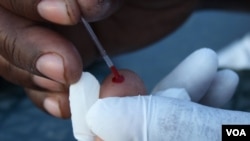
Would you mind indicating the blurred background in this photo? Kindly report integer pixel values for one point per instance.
(21, 120)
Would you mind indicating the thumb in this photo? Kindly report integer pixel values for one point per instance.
(113, 119)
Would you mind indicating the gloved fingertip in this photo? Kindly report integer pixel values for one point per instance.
(189, 74)
(221, 89)
(193, 68)
(231, 75)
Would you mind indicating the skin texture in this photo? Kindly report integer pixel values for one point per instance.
(35, 32)
(131, 86)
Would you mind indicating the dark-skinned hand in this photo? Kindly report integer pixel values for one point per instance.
(44, 47)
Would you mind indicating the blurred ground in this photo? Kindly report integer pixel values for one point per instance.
(21, 120)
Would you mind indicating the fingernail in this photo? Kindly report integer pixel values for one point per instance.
(51, 65)
(54, 11)
(52, 106)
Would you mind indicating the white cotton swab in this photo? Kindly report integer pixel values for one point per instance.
(83, 95)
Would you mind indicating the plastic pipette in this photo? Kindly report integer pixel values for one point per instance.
(117, 77)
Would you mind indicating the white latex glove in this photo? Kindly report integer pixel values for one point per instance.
(236, 55)
(169, 114)
(83, 95)
(159, 118)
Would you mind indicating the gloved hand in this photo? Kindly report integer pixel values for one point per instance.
(171, 113)
(159, 118)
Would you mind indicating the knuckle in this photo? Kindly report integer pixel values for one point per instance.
(8, 48)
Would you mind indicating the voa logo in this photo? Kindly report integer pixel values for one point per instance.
(236, 132)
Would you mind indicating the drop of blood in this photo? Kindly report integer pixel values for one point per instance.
(117, 77)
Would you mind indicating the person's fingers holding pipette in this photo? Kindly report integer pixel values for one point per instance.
(69, 11)
(62, 11)
(57, 11)
(35, 57)
(46, 54)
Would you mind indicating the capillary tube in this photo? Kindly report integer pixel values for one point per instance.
(117, 77)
